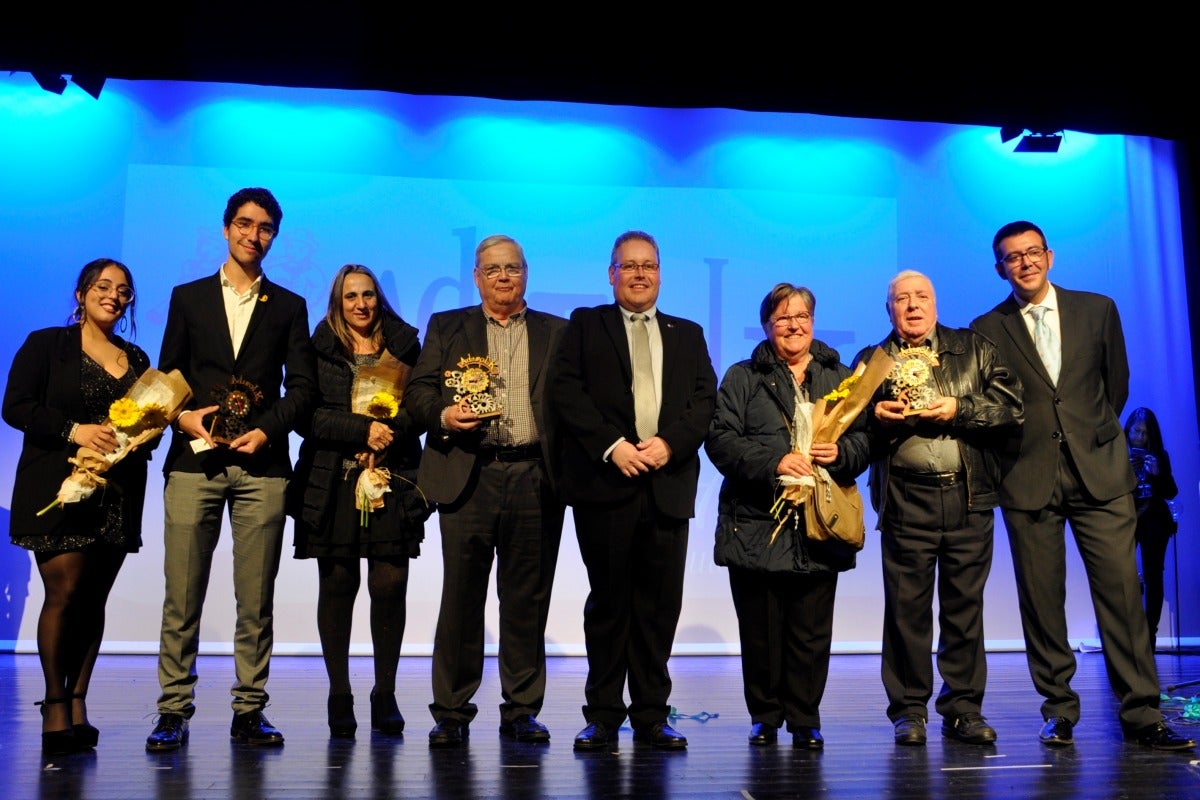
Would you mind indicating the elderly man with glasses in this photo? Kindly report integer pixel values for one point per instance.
(936, 424)
(478, 389)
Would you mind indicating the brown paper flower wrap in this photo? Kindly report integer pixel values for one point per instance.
(377, 393)
(832, 415)
(150, 405)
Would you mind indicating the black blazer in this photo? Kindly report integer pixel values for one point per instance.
(450, 459)
(1084, 408)
(276, 356)
(42, 395)
(591, 395)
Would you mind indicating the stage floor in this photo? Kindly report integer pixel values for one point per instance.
(859, 760)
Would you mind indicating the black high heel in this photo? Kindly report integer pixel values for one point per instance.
(385, 714)
(57, 743)
(86, 736)
(340, 709)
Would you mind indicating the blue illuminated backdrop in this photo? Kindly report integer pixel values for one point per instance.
(738, 201)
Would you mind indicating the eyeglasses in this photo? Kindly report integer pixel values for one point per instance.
(124, 291)
(492, 271)
(803, 318)
(1034, 254)
(629, 268)
(248, 226)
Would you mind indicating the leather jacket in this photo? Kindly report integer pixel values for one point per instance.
(989, 408)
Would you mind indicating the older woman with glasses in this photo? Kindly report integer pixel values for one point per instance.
(783, 583)
(60, 386)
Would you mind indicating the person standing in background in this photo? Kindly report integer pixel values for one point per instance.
(1155, 521)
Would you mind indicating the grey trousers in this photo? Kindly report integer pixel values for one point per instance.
(193, 507)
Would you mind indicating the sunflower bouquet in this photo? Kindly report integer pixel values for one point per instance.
(832, 415)
(150, 405)
(377, 393)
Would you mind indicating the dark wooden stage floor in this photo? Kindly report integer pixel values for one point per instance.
(860, 760)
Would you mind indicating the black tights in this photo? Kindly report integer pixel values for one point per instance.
(387, 584)
(71, 626)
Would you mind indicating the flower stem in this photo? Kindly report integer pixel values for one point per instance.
(56, 502)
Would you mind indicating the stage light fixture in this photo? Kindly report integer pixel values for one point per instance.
(1036, 142)
(92, 84)
(50, 81)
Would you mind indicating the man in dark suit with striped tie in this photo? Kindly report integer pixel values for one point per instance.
(1070, 463)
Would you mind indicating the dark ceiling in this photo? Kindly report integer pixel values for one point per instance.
(906, 71)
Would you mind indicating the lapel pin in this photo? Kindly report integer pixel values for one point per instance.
(262, 298)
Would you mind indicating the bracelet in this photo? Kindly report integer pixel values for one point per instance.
(71, 433)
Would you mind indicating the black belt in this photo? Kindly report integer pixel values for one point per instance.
(526, 452)
(928, 478)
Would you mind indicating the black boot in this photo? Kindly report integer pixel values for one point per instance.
(342, 723)
(385, 715)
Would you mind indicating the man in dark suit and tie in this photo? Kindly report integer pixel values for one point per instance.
(1070, 463)
(487, 470)
(237, 338)
(633, 391)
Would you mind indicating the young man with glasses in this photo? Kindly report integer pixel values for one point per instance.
(485, 464)
(632, 391)
(232, 333)
(1070, 463)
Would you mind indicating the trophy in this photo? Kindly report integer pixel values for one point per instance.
(238, 402)
(471, 382)
(911, 380)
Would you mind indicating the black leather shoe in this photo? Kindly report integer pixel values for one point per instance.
(596, 736)
(1159, 737)
(1057, 732)
(525, 729)
(971, 728)
(171, 733)
(662, 736)
(910, 731)
(762, 734)
(449, 732)
(339, 710)
(385, 714)
(806, 738)
(253, 728)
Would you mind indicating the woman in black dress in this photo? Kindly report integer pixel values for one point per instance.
(360, 343)
(1155, 522)
(60, 386)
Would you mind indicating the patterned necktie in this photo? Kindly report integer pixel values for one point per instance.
(1046, 341)
(645, 403)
